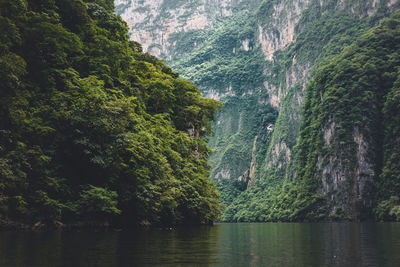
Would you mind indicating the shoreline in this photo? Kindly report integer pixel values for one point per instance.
(8, 225)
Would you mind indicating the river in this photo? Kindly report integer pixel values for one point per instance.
(241, 244)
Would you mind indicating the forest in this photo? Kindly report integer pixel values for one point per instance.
(95, 131)
(92, 129)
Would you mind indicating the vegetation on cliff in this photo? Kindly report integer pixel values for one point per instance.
(226, 64)
(337, 175)
(257, 62)
(92, 128)
(355, 92)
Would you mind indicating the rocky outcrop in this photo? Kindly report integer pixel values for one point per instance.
(347, 184)
(277, 31)
(151, 22)
(365, 172)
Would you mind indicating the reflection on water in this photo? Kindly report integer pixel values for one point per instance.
(250, 244)
(309, 244)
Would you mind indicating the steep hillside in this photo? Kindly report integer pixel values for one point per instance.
(91, 128)
(321, 35)
(349, 132)
(257, 60)
(230, 68)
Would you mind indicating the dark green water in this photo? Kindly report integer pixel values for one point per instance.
(247, 244)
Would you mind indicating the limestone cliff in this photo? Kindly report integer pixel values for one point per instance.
(153, 21)
(257, 57)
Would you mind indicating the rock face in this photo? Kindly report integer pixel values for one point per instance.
(342, 139)
(279, 30)
(348, 187)
(257, 57)
(153, 21)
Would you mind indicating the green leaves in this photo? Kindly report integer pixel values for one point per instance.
(353, 94)
(388, 209)
(12, 8)
(98, 203)
(91, 127)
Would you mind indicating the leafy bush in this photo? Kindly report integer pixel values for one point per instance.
(97, 202)
(388, 209)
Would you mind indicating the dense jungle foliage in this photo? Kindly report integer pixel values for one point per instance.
(358, 92)
(358, 89)
(92, 128)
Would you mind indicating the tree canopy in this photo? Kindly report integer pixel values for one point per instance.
(92, 128)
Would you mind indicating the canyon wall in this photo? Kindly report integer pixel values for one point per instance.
(256, 57)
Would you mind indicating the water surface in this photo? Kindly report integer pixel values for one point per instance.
(243, 244)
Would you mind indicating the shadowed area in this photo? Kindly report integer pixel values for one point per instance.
(243, 244)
